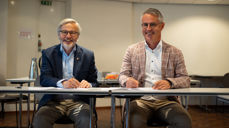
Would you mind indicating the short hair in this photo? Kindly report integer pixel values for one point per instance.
(155, 12)
(68, 20)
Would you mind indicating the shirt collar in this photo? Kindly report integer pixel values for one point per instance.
(64, 53)
(158, 48)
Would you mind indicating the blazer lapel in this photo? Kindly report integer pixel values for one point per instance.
(77, 61)
(142, 62)
(165, 59)
(142, 57)
(59, 64)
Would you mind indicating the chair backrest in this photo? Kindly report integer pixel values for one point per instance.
(226, 80)
(37, 84)
(39, 62)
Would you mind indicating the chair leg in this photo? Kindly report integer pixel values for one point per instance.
(16, 115)
(28, 111)
(186, 102)
(3, 110)
(223, 107)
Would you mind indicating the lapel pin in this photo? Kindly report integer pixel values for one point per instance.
(77, 58)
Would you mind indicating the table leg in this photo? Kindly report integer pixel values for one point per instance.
(34, 105)
(16, 116)
(127, 111)
(20, 110)
(112, 111)
(91, 111)
(28, 108)
(186, 102)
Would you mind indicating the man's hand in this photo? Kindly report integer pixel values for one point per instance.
(132, 83)
(84, 84)
(71, 83)
(74, 83)
(162, 85)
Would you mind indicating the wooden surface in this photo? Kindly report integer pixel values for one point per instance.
(200, 118)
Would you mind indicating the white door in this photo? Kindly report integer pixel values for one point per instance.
(49, 18)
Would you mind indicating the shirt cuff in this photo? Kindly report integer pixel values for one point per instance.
(90, 85)
(59, 83)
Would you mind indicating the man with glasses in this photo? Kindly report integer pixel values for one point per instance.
(66, 65)
(158, 65)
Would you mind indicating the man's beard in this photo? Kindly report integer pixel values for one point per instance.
(68, 46)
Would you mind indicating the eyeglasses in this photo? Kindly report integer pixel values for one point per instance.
(72, 33)
(151, 25)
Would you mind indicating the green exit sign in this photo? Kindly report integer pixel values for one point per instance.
(46, 2)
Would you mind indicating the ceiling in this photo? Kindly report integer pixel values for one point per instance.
(221, 2)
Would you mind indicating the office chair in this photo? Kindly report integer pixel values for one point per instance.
(224, 98)
(5, 98)
(9, 98)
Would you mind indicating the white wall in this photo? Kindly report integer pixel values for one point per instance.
(49, 18)
(106, 30)
(3, 40)
(200, 31)
(30, 16)
(22, 17)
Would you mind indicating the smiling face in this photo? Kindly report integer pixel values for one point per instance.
(151, 28)
(68, 35)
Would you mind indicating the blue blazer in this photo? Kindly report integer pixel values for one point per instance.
(51, 70)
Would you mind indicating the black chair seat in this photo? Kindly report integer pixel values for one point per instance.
(7, 98)
(156, 123)
(64, 120)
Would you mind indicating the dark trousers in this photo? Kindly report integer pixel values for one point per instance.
(143, 113)
(78, 112)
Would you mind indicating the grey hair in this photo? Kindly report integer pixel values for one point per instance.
(155, 12)
(68, 20)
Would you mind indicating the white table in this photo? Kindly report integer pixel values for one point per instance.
(21, 81)
(114, 92)
(51, 90)
(127, 93)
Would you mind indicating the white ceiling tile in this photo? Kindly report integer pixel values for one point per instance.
(132, 0)
(181, 1)
(225, 2)
(205, 2)
(155, 1)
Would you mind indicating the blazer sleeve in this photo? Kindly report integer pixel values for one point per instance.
(48, 77)
(125, 71)
(92, 76)
(181, 78)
